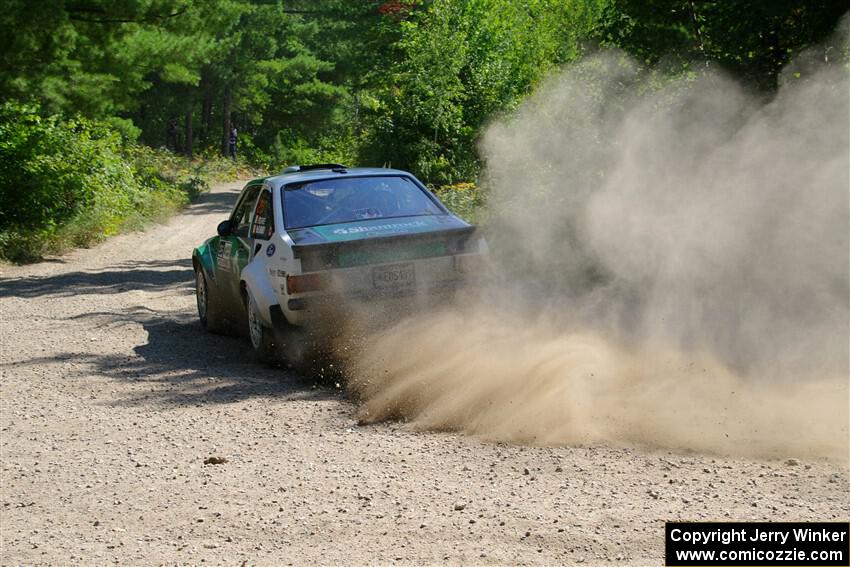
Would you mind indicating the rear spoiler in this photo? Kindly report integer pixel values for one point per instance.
(335, 167)
(327, 250)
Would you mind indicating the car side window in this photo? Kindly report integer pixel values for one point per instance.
(242, 214)
(262, 226)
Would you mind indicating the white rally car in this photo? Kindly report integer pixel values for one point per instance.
(318, 238)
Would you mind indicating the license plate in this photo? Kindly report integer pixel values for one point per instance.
(394, 276)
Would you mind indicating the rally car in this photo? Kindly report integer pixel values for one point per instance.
(318, 238)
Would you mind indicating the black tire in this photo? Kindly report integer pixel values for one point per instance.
(262, 338)
(209, 311)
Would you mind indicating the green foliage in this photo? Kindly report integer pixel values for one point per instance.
(461, 64)
(289, 149)
(50, 170)
(464, 199)
(752, 39)
(73, 182)
(406, 83)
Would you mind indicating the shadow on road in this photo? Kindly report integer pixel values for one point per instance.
(213, 203)
(179, 364)
(183, 365)
(120, 277)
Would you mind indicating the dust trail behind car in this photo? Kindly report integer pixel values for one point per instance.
(671, 269)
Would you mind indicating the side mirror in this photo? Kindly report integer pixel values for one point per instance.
(225, 228)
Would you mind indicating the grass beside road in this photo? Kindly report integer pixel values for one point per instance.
(164, 184)
(72, 182)
(68, 183)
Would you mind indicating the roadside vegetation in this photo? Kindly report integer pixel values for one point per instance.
(113, 113)
(72, 182)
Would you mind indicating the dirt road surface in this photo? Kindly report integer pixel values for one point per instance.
(113, 397)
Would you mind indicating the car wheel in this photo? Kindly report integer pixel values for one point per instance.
(262, 337)
(208, 311)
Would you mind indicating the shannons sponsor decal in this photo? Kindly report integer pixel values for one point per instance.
(381, 227)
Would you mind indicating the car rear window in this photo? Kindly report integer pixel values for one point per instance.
(347, 199)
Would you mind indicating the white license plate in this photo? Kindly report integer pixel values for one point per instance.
(394, 276)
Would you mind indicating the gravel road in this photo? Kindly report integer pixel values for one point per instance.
(113, 397)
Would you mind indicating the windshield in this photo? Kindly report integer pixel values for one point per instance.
(331, 201)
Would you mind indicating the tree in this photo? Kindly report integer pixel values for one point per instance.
(460, 64)
(751, 39)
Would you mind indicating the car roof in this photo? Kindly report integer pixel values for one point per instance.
(316, 174)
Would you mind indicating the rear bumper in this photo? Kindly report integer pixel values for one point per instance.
(354, 289)
(338, 299)
(329, 308)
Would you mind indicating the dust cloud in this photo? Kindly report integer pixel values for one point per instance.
(670, 269)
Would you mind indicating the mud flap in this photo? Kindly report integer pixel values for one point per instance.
(258, 285)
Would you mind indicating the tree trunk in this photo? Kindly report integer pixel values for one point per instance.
(206, 116)
(189, 139)
(225, 123)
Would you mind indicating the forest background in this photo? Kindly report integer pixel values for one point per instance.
(117, 112)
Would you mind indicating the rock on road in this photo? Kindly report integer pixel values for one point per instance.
(113, 397)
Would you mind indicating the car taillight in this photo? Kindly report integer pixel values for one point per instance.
(304, 283)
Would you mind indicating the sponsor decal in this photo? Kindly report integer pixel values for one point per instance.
(381, 227)
(378, 228)
(270, 250)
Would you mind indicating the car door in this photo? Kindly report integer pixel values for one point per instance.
(256, 273)
(234, 250)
